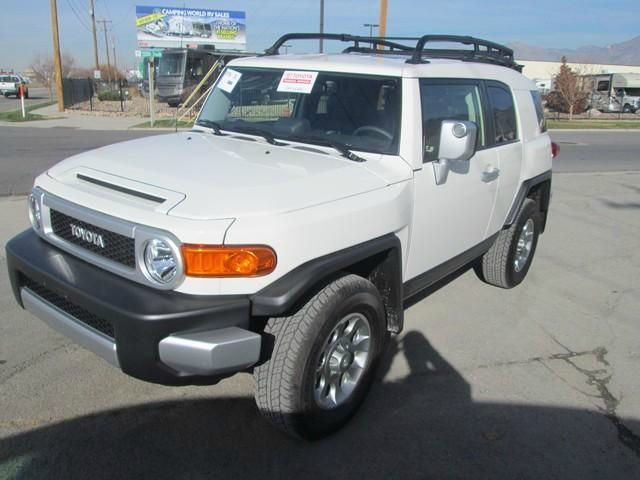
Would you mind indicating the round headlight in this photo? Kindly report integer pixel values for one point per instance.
(35, 216)
(160, 261)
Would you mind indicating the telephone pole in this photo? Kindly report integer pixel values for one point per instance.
(115, 62)
(92, 12)
(57, 62)
(382, 31)
(106, 45)
(321, 24)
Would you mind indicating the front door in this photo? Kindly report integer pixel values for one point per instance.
(451, 217)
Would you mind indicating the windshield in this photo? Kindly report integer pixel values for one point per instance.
(360, 111)
(171, 64)
(632, 92)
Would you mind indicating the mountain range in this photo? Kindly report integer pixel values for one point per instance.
(625, 53)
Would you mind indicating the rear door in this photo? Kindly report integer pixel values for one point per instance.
(505, 140)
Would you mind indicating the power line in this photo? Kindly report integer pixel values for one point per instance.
(77, 15)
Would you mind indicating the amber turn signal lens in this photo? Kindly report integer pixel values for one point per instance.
(228, 261)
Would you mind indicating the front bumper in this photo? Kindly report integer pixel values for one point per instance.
(158, 336)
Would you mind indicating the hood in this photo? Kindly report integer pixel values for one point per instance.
(233, 176)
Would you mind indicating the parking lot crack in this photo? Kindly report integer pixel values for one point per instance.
(600, 378)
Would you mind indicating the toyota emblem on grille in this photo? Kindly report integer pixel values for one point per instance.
(87, 235)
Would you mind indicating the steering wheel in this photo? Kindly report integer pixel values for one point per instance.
(372, 129)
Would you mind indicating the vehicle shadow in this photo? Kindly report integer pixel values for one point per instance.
(423, 426)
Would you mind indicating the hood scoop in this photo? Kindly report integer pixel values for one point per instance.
(122, 190)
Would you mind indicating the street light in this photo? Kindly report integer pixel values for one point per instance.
(286, 48)
(371, 27)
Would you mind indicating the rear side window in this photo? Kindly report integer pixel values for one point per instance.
(504, 114)
(448, 101)
(537, 102)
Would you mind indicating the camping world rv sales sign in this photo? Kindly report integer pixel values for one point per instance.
(187, 27)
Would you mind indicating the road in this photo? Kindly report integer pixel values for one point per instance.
(536, 382)
(36, 95)
(596, 151)
(26, 152)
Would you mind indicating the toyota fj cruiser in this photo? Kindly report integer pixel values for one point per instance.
(282, 236)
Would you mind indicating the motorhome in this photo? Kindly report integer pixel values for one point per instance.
(613, 92)
(179, 72)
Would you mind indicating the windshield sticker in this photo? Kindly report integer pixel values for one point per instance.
(297, 82)
(229, 80)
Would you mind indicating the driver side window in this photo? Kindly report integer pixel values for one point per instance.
(443, 100)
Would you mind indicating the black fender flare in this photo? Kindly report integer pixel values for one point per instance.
(544, 181)
(379, 260)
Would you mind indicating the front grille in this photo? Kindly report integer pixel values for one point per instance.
(78, 313)
(117, 248)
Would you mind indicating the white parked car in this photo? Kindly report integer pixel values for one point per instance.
(9, 85)
(282, 234)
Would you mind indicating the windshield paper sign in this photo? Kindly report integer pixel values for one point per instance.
(171, 27)
(229, 80)
(297, 82)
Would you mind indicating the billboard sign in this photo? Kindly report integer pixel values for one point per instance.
(169, 27)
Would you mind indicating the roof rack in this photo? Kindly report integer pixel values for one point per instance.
(483, 51)
(373, 41)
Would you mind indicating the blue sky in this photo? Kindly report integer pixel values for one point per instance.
(25, 25)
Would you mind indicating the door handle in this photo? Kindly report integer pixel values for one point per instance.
(490, 175)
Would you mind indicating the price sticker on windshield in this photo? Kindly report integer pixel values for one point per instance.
(297, 82)
(229, 80)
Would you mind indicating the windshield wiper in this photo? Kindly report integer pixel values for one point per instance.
(342, 148)
(212, 125)
(258, 132)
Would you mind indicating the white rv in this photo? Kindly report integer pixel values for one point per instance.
(614, 92)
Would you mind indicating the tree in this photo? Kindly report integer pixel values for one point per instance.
(568, 95)
(43, 70)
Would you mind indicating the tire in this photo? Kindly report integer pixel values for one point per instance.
(627, 108)
(498, 265)
(174, 104)
(26, 93)
(289, 389)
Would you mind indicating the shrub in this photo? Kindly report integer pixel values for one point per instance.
(112, 96)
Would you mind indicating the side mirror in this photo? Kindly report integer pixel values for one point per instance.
(457, 140)
(457, 143)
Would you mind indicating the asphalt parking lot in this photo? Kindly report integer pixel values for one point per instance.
(536, 382)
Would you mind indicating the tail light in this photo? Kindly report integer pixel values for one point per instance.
(555, 149)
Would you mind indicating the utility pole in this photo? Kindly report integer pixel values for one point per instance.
(106, 46)
(92, 12)
(115, 62)
(57, 61)
(321, 24)
(382, 32)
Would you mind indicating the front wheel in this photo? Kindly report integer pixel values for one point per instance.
(508, 260)
(323, 359)
(627, 108)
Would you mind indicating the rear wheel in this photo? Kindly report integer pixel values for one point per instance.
(323, 359)
(508, 260)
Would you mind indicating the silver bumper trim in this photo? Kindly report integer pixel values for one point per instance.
(210, 353)
(70, 327)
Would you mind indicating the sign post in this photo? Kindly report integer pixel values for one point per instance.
(21, 91)
(151, 90)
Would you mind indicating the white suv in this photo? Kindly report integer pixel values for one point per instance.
(282, 234)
